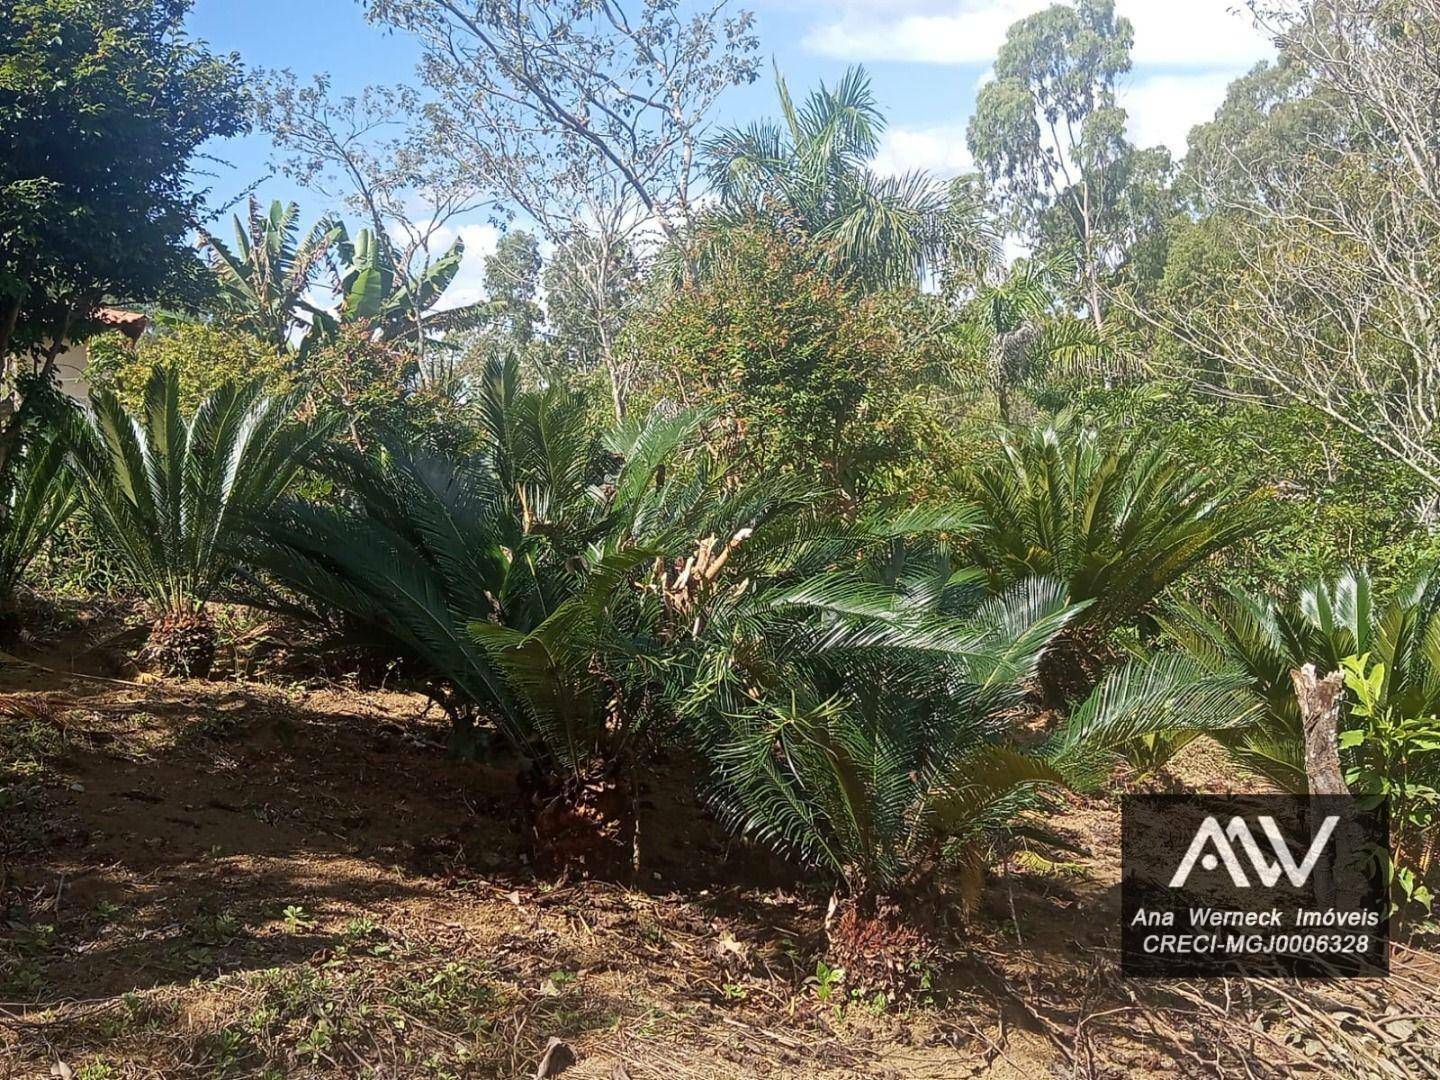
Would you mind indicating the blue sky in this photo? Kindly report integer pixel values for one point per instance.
(927, 58)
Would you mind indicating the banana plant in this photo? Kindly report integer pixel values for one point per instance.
(395, 304)
(263, 280)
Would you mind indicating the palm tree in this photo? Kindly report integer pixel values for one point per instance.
(265, 278)
(1116, 523)
(169, 495)
(1015, 328)
(812, 173)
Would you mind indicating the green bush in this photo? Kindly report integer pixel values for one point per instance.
(203, 358)
(1395, 756)
(800, 371)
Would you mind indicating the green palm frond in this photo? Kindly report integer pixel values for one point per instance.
(1118, 524)
(1150, 707)
(857, 728)
(1260, 641)
(41, 497)
(172, 494)
(811, 172)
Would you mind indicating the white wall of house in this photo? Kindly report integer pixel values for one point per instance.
(70, 372)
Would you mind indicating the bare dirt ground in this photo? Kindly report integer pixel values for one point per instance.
(229, 879)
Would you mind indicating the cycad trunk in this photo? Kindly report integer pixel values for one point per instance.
(182, 643)
(584, 826)
(884, 941)
(1072, 664)
(11, 620)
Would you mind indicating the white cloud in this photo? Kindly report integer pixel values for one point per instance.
(1163, 108)
(1168, 33)
(1186, 52)
(940, 150)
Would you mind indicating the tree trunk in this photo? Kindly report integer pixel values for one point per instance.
(883, 942)
(7, 329)
(584, 826)
(14, 422)
(1320, 701)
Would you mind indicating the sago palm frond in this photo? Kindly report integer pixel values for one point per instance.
(1117, 523)
(171, 494)
(40, 498)
(1260, 641)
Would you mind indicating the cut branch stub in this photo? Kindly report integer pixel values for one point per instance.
(1320, 701)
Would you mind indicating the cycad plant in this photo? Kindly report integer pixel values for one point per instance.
(533, 584)
(1263, 640)
(1231, 677)
(862, 714)
(1117, 523)
(169, 494)
(40, 497)
(857, 698)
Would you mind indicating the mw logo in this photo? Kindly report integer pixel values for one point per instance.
(1238, 831)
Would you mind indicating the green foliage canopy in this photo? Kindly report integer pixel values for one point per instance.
(103, 104)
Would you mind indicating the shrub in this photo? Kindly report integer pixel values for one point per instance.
(169, 494)
(801, 371)
(1116, 523)
(1396, 757)
(202, 356)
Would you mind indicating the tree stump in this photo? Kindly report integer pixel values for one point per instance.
(1320, 701)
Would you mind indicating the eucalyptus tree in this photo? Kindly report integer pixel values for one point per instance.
(812, 172)
(1047, 132)
(512, 284)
